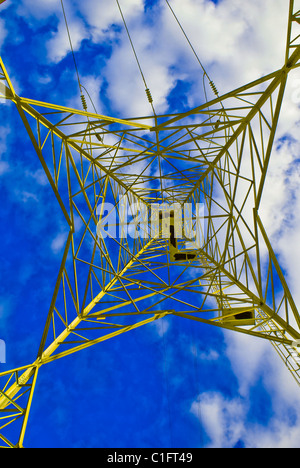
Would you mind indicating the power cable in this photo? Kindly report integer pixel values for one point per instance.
(81, 87)
(212, 85)
(147, 90)
(70, 41)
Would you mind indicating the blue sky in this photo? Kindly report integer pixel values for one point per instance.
(174, 383)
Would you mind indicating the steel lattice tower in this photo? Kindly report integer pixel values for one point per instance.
(216, 154)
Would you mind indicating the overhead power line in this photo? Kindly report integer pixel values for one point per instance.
(148, 92)
(212, 85)
(71, 45)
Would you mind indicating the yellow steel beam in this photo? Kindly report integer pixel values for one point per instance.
(105, 118)
(45, 356)
(183, 165)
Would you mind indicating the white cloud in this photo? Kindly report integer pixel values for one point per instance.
(210, 355)
(101, 17)
(4, 168)
(25, 196)
(29, 10)
(226, 423)
(98, 17)
(39, 176)
(59, 45)
(221, 418)
(3, 32)
(277, 435)
(237, 42)
(230, 53)
(59, 242)
(44, 79)
(161, 326)
(249, 357)
(4, 165)
(123, 86)
(255, 362)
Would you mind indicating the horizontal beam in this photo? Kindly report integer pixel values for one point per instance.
(130, 123)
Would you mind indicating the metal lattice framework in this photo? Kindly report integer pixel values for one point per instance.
(216, 154)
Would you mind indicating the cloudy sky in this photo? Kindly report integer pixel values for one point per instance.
(160, 386)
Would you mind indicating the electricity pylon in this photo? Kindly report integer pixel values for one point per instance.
(217, 155)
